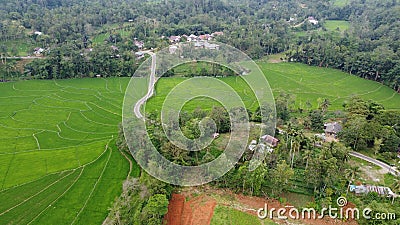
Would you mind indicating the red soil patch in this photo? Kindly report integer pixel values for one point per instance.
(197, 211)
(251, 204)
(175, 209)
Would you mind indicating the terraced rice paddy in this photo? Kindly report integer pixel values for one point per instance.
(58, 159)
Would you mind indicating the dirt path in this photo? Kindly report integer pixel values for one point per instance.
(130, 163)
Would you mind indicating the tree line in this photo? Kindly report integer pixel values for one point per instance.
(369, 49)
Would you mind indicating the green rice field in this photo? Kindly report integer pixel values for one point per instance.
(58, 159)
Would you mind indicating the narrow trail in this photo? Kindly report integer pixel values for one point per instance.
(130, 163)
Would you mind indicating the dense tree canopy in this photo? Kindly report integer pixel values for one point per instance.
(369, 49)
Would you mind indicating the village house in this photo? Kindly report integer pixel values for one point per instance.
(205, 37)
(215, 135)
(332, 129)
(139, 55)
(191, 38)
(266, 144)
(38, 51)
(174, 39)
(312, 20)
(269, 140)
(139, 44)
(218, 33)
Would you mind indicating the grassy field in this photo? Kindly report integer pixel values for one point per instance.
(58, 160)
(124, 32)
(332, 25)
(24, 47)
(310, 83)
(227, 216)
(164, 85)
(305, 82)
(341, 2)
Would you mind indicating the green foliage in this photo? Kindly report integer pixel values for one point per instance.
(280, 178)
(155, 209)
(368, 126)
(317, 120)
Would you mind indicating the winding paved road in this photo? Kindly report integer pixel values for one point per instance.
(150, 91)
(376, 162)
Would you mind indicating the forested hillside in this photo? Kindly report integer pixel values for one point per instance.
(76, 36)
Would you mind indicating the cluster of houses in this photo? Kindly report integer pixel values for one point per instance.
(268, 143)
(365, 189)
(310, 19)
(194, 38)
(200, 41)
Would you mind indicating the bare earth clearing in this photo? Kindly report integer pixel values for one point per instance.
(200, 204)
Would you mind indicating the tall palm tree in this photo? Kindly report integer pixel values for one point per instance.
(307, 156)
(350, 174)
(296, 146)
(325, 105)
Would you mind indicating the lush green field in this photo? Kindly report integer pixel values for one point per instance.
(311, 83)
(164, 85)
(341, 2)
(23, 47)
(224, 216)
(332, 25)
(305, 82)
(58, 160)
(124, 32)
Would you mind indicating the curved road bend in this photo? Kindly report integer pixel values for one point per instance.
(376, 162)
(150, 91)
